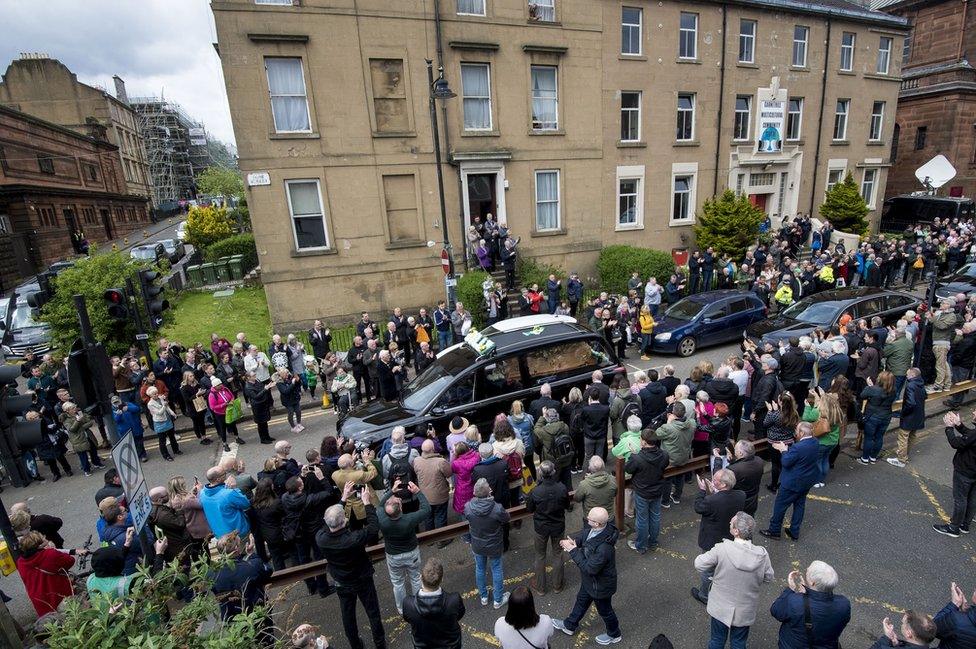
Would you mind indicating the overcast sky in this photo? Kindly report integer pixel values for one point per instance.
(159, 47)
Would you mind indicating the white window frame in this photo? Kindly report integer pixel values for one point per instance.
(638, 110)
(284, 3)
(679, 170)
(877, 119)
(846, 113)
(679, 110)
(634, 172)
(746, 134)
(558, 201)
(484, 9)
(267, 78)
(555, 69)
(747, 40)
(884, 54)
(838, 165)
(848, 51)
(549, 5)
(799, 119)
(694, 36)
(291, 214)
(872, 198)
(491, 117)
(804, 44)
(630, 26)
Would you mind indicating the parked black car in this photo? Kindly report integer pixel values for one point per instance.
(823, 310)
(519, 356)
(962, 281)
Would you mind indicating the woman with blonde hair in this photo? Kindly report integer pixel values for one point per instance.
(780, 425)
(185, 500)
(833, 413)
(570, 412)
(646, 322)
(194, 395)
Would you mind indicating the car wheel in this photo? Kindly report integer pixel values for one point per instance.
(687, 346)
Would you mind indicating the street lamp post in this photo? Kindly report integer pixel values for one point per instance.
(439, 89)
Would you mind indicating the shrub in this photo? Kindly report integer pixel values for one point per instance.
(239, 244)
(616, 263)
(529, 271)
(207, 225)
(91, 277)
(470, 294)
(844, 207)
(729, 224)
(241, 216)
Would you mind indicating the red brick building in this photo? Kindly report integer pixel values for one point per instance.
(937, 101)
(58, 189)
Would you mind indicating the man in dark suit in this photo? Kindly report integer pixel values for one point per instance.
(387, 380)
(321, 340)
(717, 502)
(602, 389)
(800, 473)
(748, 470)
(545, 400)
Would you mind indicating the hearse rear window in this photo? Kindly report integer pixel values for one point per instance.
(565, 359)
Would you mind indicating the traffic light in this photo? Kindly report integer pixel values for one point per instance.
(82, 369)
(44, 293)
(117, 304)
(16, 433)
(152, 296)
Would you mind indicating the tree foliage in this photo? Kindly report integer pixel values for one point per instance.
(616, 263)
(470, 293)
(220, 181)
(729, 224)
(844, 207)
(142, 619)
(90, 277)
(207, 225)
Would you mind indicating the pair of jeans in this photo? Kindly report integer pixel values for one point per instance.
(83, 458)
(736, 636)
(899, 384)
(874, 430)
(294, 415)
(541, 544)
(824, 459)
(365, 591)
(784, 499)
(963, 499)
(646, 341)
(437, 517)
(163, 437)
(307, 550)
(593, 447)
(497, 576)
(402, 567)
(603, 606)
(443, 340)
(648, 513)
(706, 583)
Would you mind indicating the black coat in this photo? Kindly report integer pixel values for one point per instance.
(537, 405)
(495, 471)
(670, 383)
(597, 561)
(49, 526)
(791, 365)
(345, 550)
(748, 479)
(548, 503)
(305, 512)
(260, 400)
(240, 586)
(653, 401)
(722, 390)
(596, 420)
(321, 342)
(913, 405)
(267, 520)
(388, 389)
(717, 510)
(767, 388)
(647, 470)
(603, 391)
(290, 392)
(964, 352)
(434, 620)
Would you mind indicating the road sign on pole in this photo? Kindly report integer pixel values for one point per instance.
(133, 482)
(445, 262)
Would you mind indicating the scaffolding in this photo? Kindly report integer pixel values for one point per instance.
(173, 148)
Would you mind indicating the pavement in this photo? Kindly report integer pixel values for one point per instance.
(873, 524)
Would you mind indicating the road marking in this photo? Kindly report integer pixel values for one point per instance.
(928, 494)
(851, 503)
(488, 638)
(890, 607)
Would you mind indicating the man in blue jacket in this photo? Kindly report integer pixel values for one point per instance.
(912, 417)
(811, 601)
(955, 624)
(127, 420)
(224, 507)
(800, 473)
(592, 548)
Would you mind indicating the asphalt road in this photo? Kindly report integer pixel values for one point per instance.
(872, 523)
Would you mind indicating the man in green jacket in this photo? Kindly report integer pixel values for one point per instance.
(400, 539)
(943, 329)
(547, 428)
(676, 435)
(597, 489)
(899, 350)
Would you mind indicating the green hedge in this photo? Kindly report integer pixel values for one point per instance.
(616, 263)
(529, 272)
(469, 292)
(239, 244)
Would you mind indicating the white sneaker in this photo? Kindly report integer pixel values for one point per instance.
(484, 601)
(893, 461)
(300, 427)
(296, 429)
(819, 485)
(502, 603)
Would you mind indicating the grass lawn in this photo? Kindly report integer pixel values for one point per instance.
(194, 315)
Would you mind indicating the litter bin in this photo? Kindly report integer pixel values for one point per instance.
(222, 269)
(194, 276)
(209, 274)
(236, 266)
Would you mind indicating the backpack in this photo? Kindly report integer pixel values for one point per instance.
(563, 451)
(514, 462)
(631, 409)
(400, 469)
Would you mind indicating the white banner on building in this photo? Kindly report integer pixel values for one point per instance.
(772, 118)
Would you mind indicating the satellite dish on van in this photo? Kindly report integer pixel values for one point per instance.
(936, 172)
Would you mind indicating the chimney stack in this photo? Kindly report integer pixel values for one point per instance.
(120, 89)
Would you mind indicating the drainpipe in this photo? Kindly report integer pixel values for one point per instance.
(962, 32)
(447, 131)
(721, 101)
(823, 99)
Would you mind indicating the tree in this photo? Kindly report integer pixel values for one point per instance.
(729, 224)
(845, 208)
(220, 181)
(143, 619)
(207, 225)
(90, 277)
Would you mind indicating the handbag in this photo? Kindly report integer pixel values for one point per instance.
(199, 404)
(234, 411)
(528, 482)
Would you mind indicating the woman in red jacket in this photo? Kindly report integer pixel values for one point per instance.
(44, 571)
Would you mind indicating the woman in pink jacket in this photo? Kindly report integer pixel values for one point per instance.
(464, 462)
(219, 398)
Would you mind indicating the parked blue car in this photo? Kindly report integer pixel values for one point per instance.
(704, 319)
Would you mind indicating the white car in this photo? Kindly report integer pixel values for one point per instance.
(181, 231)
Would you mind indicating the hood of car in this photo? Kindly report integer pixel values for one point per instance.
(670, 325)
(373, 421)
(959, 283)
(778, 328)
